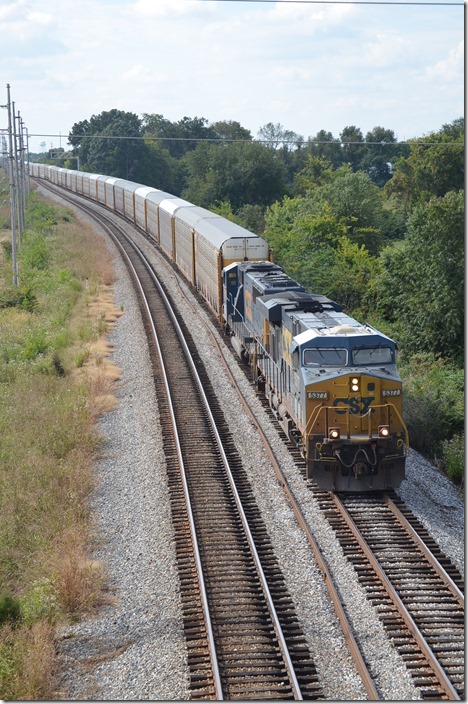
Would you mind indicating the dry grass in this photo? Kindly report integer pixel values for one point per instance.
(28, 660)
(48, 410)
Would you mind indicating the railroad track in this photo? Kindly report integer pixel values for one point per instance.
(243, 637)
(416, 590)
(430, 643)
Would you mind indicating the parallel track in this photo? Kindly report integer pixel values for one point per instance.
(428, 632)
(244, 640)
(418, 592)
(419, 603)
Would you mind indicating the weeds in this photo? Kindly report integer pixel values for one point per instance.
(434, 410)
(48, 406)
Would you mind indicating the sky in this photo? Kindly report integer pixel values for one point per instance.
(307, 66)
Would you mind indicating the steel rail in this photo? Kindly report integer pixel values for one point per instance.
(366, 677)
(266, 590)
(448, 581)
(439, 672)
(199, 568)
(193, 531)
(274, 616)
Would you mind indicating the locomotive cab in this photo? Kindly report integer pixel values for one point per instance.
(354, 437)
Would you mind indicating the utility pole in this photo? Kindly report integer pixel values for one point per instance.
(19, 199)
(11, 158)
(28, 182)
(21, 151)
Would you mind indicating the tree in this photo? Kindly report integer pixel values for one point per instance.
(435, 165)
(316, 172)
(277, 137)
(352, 149)
(314, 249)
(376, 160)
(157, 168)
(179, 137)
(325, 146)
(231, 130)
(104, 143)
(357, 202)
(241, 173)
(422, 282)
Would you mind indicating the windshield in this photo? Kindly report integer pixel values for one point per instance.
(324, 357)
(372, 355)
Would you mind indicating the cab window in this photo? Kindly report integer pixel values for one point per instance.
(325, 357)
(372, 355)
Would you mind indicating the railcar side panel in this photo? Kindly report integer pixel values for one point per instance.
(185, 249)
(167, 210)
(208, 272)
(153, 200)
(119, 189)
(101, 189)
(69, 179)
(141, 194)
(189, 224)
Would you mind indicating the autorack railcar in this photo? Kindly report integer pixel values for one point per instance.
(332, 383)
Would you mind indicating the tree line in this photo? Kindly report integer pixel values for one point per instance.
(375, 224)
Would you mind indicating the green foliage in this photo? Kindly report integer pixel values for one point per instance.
(434, 166)
(433, 402)
(41, 216)
(39, 602)
(156, 167)
(421, 281)
(21, 296)
(102, 154)
(35, 255)
(453, 457)
(252, 217)
(7, 672)
(316, 172)
(224, 209)
(10, 609)
(241, 173)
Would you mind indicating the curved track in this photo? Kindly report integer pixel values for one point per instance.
(244, 640)
(419, 602)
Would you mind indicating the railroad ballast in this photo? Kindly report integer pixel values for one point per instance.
(332, 383)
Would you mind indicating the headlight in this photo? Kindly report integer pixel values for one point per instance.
(391, 392)
(384, 431)
(354, 384)
(334, 433)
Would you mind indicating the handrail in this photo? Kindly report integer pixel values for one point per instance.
(321, 408)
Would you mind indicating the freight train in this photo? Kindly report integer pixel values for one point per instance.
(331, 382)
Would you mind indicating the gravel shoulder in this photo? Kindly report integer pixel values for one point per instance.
(134, 647)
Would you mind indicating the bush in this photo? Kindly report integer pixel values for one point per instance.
(10, 609)
(433, 402)
(453, 456)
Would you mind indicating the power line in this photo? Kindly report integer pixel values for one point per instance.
(341, 2)
(222, 140)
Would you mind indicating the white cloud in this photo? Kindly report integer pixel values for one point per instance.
(388, 49)
(166, 8)
(306, 66)
(451, 67)
(142, 75)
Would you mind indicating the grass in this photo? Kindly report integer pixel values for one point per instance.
(54, 382)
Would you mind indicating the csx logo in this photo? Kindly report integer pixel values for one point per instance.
(356, 406)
